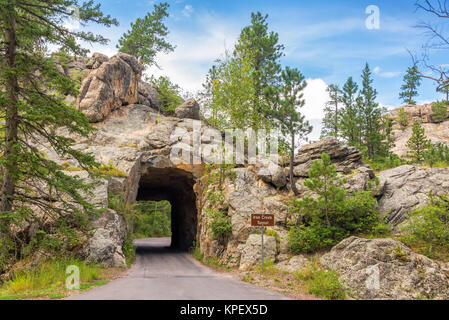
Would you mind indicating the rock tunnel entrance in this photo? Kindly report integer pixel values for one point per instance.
(175, 186)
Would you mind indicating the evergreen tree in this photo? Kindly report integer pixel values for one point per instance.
(289, 99)
(331, 121)
(147, 36)
(439, 110)
(403, 118)
(418, 143)
(33, 108)
(349, 122)
(370, 113)
(256, 41)
(412, 81)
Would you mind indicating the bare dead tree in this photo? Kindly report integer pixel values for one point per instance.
(437, 39)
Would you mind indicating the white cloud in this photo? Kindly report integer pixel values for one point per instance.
(387, 75)
(316, 96)
(188, 10)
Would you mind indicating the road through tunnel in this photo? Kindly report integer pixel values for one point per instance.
(177, 187)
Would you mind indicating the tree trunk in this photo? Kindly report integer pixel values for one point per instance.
(292, 158)
(11, 122)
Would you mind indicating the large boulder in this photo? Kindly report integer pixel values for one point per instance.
(345, 158)
(109, 86)
(385, 269)
(407, 187)
(148, 95)
(189, 109)
(252, 251)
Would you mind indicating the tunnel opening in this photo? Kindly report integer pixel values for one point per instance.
(177, 187)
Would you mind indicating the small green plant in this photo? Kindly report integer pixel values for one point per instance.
(439, 110)
(400, 254)
(403, 118)
(220, 224)
(109, 170)
(427, 230)
(321, 283)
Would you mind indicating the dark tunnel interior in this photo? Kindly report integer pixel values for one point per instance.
(176, 186)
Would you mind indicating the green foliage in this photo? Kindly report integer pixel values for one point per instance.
(321, 283)
(350, 122)
(332, 213)
(219, 224)
(403, 118)
(385, 163)
(169, 94)
(33, 103)
(147, 36)
(418, 143)
(412, 81)
(427, 230)
(288, 99)
(47, 279)
(154, 220)
(437, 156)
(108, 170)
(331, 120)
(439, 110)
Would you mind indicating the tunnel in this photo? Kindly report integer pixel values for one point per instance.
(175, 186)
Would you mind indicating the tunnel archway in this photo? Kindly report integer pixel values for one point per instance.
(177, 186)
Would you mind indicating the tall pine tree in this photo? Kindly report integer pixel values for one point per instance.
(33, 108)
(349, 122)
(412, 81)
(331, 120)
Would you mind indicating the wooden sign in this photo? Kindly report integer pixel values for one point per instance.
(262, 220)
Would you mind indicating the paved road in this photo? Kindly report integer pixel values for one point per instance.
(162, 274)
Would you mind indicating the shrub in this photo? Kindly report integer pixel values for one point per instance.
(333, 213)
(403, 118)
(220, 224)
(439, 110)
(321, 283)
(169, 94)
(437, 156)
(427, 230)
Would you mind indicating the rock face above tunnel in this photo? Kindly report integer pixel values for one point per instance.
(110, 83)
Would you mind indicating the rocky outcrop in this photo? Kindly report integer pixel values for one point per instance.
(385, 269)
(189, 109)
(436, 132)
(294, 264)
(251, 253)
(407, 187)
(345, 158)
(110, 84)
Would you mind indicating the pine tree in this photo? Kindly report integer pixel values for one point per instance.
(349, 122)
(331, 121)
(418, 143)
(293, 125)
(147, 36)
(255, 40)
(33, 109)
(370, 113)
(412, 81)
(403, 118)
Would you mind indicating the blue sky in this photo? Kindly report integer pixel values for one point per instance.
(326, 39)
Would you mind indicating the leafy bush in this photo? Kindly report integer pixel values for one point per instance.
(403, 118)
(437, 156)
(427, 230)
(169, 94)
(439, 110)
(321, 283)
(333, 213)
(385, 163)
(220, 224)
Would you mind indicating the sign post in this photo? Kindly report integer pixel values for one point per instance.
(262, 220)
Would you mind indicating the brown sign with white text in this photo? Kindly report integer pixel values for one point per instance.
(262, 220)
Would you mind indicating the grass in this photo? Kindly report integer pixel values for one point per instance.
(321, 283)
(211, 261)
(48, 280)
